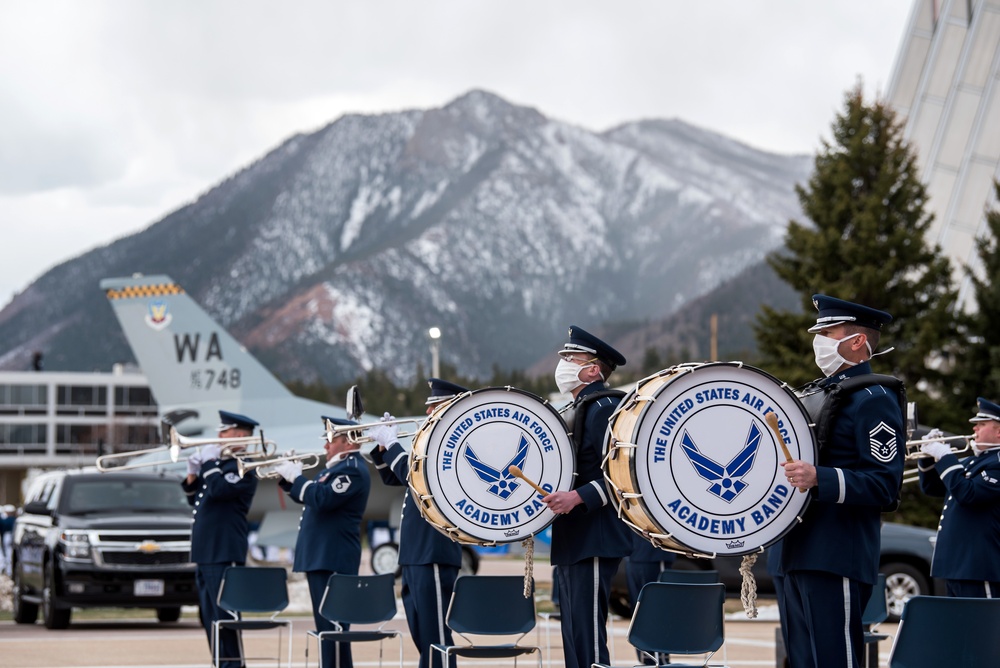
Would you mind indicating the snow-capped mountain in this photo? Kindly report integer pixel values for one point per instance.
(334, 253)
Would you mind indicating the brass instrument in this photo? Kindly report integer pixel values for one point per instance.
(913, 447)
(355, 434)
(179, 442)
(264, 468)
(913, 452)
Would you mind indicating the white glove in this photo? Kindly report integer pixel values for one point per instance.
(935, 449)
(934, 433)
(289, 470)
(385, 434)
(194, 464)
(210, 452)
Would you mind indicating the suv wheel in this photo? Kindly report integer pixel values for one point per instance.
(54, 618)
(168, 614)
(24, 612)
(902, 582)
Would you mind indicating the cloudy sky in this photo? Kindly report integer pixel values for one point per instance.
(115, 112)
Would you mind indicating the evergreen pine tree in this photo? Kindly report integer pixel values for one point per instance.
(977, 372)
(866, 243)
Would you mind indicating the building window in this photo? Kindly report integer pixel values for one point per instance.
(23, 438)
(81, 400)
(23, 399)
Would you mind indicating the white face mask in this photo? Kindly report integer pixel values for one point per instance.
(568, 376)
(828, 357)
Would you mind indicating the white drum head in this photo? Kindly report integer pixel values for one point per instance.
(469, 451)
(711, 473)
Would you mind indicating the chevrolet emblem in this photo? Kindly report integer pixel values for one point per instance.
(149, 546)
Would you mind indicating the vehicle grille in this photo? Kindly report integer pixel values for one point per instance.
(140, 559)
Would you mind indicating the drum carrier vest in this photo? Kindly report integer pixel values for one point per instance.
(823, 403)
(578, 414)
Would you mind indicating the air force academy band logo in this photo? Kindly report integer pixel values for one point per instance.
(479, 442)
(712, 475)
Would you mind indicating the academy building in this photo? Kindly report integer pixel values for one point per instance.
(66, 419)
(946, 85)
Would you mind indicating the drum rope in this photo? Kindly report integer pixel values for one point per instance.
(529, 564)
(748, 592)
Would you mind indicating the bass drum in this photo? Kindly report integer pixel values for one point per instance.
(462, 453)
(694, 466)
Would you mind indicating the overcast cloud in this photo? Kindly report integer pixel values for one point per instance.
(114, 113)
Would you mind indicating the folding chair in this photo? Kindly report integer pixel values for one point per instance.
(246, 589)
(936, 631)
(684, 576)
(492, 605)
(357, 599)
(875, 612)
(677, 618)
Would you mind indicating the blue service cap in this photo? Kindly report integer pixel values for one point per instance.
(987, 411)
(340, 422)
(582, 341)
(229, 420)
(330, 422)
(833, 311)
(442, 390)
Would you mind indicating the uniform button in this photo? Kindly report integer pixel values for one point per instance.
(944, 507)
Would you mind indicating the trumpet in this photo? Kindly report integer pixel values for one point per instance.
(178, 443)
(355, 435)
(264, 468)
(913, 447)
(913, 452)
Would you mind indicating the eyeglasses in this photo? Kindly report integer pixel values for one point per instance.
(569, 358)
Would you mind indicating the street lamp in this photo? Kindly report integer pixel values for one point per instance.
(435, 335)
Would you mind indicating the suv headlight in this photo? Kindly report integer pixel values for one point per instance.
(76, 544)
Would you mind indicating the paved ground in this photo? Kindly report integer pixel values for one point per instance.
(131, 642)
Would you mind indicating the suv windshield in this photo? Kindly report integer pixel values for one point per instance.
(109, 495)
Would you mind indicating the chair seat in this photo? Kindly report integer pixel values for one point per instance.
(353, 636)
(486, 651)
(253, 624)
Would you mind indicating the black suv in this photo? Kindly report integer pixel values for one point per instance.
(102, 540)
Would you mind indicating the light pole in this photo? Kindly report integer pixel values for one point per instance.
(435, 335)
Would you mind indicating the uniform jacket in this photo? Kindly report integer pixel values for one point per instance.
(592, 529)
(859, 471)
(330, 528)
(968, 541)
(419, 542)
(221, 500)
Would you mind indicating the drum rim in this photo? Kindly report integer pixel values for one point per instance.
(444, 525)
(665, 539)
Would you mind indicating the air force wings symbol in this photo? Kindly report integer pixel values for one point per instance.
(502, 483)
(726, 483)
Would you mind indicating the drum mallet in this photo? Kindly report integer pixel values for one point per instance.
(772, 422)
(518, 473)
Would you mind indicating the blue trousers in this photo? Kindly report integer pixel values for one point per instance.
(584, 591)
(823, 619)
(208, 578)
(972, 588)
(426, 594)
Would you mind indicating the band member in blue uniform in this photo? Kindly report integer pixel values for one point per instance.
(588, 539)
(967, 552)
(221, 500)
(643, 566)
(430, 560)
(830, 560)
(329, 539)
